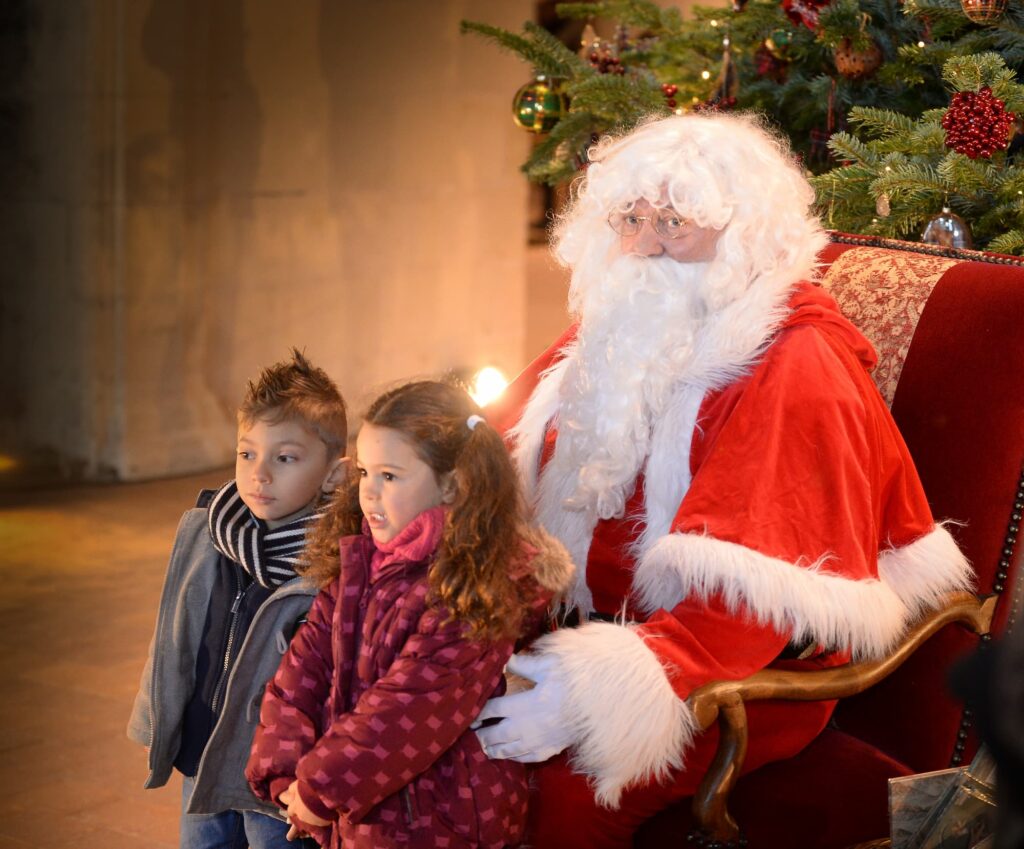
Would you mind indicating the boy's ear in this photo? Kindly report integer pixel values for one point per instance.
(336, 471)
(448, 487)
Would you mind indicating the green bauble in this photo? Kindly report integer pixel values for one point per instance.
(539, 105)
(778, 43)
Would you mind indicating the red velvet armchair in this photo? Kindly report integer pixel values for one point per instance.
(949, 329)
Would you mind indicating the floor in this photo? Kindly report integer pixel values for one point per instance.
(81, 570)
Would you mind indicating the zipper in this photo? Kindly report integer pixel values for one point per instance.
(262, 612)
(152, 712)
(410, 819)
(240, 592)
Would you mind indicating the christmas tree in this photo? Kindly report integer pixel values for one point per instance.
(904, 171)
(820, 71)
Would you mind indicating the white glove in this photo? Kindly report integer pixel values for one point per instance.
(533, 727)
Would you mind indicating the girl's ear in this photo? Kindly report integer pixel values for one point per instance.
(448, 487)
(336, 471)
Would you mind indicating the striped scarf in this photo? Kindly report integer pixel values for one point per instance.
(269, 556)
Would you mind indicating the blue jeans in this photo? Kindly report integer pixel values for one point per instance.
(232, 829)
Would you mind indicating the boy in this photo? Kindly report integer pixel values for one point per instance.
(231, 602)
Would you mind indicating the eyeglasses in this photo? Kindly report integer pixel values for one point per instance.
(667, 223)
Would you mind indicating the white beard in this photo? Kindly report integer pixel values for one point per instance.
(639, 324)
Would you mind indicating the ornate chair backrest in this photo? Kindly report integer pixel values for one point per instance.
(949, 329)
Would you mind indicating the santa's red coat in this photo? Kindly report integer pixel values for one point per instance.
(779, 507)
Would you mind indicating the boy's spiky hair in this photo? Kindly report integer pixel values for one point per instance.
(298, 390)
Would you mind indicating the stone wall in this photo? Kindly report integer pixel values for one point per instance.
(196, 186)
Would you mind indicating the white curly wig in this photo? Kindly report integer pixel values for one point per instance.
(726, 171)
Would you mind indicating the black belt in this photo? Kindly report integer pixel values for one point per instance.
(573, 618)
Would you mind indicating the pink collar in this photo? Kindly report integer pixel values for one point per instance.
(415, 543)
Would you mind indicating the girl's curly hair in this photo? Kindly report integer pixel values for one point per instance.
(472, 574)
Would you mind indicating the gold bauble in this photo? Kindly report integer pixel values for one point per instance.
(983, 11)
(539, 105)
(855, 64)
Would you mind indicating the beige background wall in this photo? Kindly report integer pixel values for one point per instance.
(200, 185)
(193, 186)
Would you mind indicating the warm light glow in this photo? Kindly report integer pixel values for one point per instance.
(705, 75)
(488, 384)
(714, 23)
(920, 44)
(7, 463)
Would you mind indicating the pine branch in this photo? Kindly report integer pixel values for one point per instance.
(1011, 242)
(842, 21)
(881, 122)
(848, 148)
(910, 183)
(540, 56)
(971, 177)
(905, 223)
(574, 66)
(638, 13)
(555, 158)
(1011, 186)
(970, 73)
(617, 100)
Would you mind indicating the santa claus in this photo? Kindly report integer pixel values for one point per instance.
(708, 444)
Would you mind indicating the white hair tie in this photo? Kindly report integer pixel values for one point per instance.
(473, 421)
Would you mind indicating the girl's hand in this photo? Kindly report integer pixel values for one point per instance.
(299, 816)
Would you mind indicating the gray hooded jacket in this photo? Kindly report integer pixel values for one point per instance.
(169, 675)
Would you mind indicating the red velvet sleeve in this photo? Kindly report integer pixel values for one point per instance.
(701, 641)
(802, 462)
(799, 480)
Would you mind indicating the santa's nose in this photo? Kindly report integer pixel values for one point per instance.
(646, 242)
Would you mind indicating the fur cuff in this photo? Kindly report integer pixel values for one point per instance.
(927, 569)
(807, 602)
(629, 725)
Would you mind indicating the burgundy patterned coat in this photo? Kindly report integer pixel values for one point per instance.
(371, 706)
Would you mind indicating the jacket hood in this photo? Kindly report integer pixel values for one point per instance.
(811, 304)
(551, 565)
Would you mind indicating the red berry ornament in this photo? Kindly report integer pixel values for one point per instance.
(604, 61)
(669, 90)
(977, 123)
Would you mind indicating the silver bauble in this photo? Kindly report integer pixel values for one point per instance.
(948, 230)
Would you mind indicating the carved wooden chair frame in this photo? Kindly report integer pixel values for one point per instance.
(724, 702)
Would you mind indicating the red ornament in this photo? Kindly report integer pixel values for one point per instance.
(804, 11)
(977, 123)
(770, 66)
(604, 60)
(716, 104)
(669, 91)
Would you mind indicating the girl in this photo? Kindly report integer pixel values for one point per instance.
(364, 732)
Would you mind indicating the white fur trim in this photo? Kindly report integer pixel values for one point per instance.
(726, 346)
(528, 433)
(927, 569)
(667, 471)
(629, 724)
(573, 528)
(806, 601)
